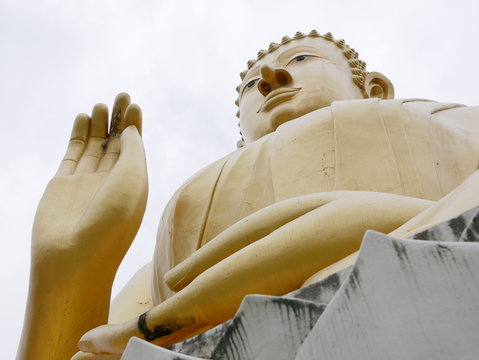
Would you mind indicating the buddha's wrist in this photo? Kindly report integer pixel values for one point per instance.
(73, 258)
(78, 305)
(62, 275)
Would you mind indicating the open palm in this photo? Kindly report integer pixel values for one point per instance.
(93, 207)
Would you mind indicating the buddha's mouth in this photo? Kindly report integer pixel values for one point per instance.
(276, 97)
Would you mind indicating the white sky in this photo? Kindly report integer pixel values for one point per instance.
(180, 60)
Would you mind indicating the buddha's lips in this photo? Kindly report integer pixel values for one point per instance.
(276, 97)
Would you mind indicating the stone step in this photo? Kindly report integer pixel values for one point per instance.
(404, 300)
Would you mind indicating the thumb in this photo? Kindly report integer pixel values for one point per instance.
(132, 152)
(133, 116)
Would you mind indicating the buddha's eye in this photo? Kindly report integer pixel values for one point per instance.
(300, 58)
(249, 85)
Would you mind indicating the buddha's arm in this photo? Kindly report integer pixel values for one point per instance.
(261, 223)
(252, 228)
(461, 199)
(85, 222)
(275, 264)
(464, 197)
(246, 231)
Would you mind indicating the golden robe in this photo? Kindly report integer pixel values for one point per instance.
(417, 148)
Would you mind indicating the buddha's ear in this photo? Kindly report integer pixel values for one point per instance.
(376, 85)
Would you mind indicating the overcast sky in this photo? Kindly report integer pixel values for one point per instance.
(180, 61)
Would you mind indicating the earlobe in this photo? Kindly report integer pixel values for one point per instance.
(376, 85)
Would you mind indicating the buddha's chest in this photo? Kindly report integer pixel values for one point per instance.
(371, 153)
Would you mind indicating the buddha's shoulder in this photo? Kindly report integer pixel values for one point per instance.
(426, 105)
(354, 113)
(361, 107)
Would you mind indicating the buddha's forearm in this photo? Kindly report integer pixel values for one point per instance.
(276, 264)
(61, 307)
(262, 223)
(462, 198)
(243, 233)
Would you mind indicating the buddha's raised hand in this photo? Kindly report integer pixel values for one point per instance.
(86, 220)
(92, 208)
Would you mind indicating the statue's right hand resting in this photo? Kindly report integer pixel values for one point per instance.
(92, 208)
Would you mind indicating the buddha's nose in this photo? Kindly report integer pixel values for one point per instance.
(272, 79)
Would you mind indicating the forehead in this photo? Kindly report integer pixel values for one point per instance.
(280, 57)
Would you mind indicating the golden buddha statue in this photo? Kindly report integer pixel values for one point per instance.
(326, 154)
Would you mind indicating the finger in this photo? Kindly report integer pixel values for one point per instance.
(89, 356)
(78, 138)
(111, 338)
(117, 123)
(133, 117)
(94, 148)
(99, 121)
(111, 155)
(127, 151)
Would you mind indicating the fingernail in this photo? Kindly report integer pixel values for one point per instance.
(85, 344)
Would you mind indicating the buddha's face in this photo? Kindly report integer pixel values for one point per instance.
(299, 77)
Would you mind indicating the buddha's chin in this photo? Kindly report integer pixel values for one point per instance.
(285, 113)
(297, 107)
(282, 114)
